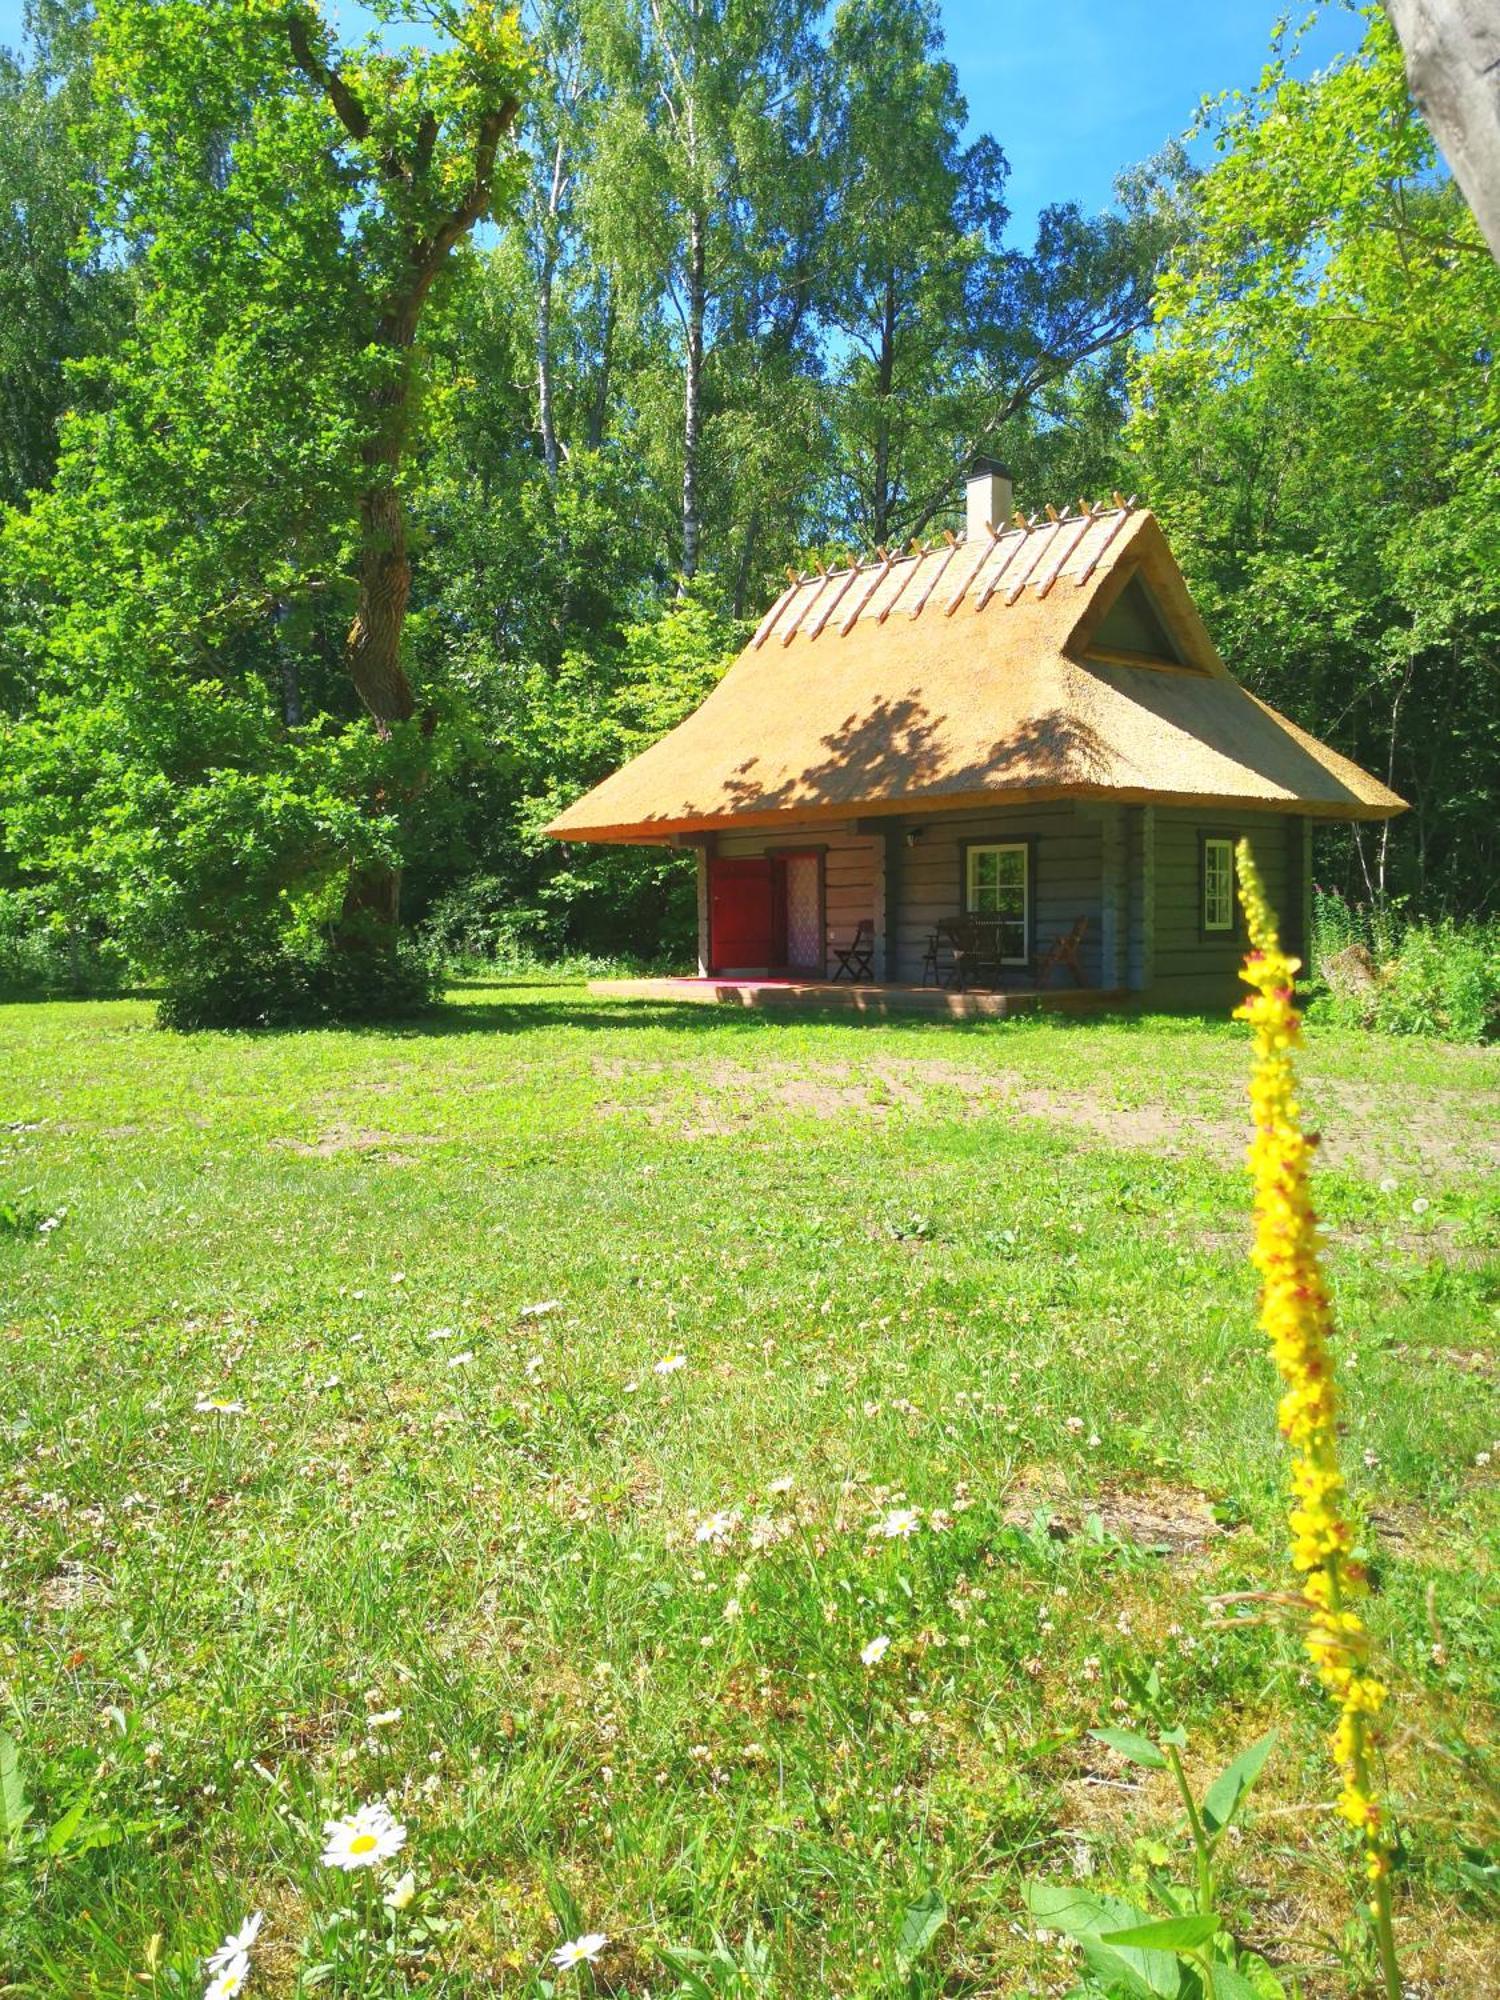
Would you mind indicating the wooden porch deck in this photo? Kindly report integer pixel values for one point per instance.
(889, 998)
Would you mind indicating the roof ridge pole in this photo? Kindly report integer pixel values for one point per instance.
(1044, 542)
(879, 577)
(1098, 556)
(973, 577)
(1000, 574)
(819, 586)
(913, 562)
(937, 577)
(1054, 569)
(836, 600)
(768, 624)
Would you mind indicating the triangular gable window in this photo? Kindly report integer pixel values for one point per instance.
(1133, 629)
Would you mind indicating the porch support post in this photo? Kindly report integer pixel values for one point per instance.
(1114, 919)
(1141, 952)
(893, 845)
(1298, 920)
(703, 845)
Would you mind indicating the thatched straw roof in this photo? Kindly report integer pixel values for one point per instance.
(970, 673)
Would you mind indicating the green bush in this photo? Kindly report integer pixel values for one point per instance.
(289, 987)
(42, 953)
(1445, 980)
(1382, 970)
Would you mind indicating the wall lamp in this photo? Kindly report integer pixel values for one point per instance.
(914, 834)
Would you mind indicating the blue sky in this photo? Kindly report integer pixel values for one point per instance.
(1077, 89)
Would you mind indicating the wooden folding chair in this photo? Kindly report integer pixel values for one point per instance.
(856, 960)
(1064, 951)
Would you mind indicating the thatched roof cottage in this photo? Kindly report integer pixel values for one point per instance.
(957, 758)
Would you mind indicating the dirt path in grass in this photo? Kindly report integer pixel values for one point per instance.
(1374, 1134)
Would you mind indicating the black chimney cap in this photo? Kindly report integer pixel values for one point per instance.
(981, 466)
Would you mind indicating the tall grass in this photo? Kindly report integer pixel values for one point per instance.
(1384, 970)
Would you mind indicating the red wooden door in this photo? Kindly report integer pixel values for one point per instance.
(741, 914)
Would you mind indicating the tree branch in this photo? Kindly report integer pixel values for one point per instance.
(351, 113)
(429, 256)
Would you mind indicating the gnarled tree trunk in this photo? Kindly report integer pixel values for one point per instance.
(372, 652)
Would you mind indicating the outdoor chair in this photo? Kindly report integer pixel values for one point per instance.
(1064, 951)
(974, 945)
(856, 960)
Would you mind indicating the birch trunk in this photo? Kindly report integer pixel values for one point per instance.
(692, 398)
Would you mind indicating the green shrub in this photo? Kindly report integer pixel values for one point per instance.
(43, 953)
(290, 986)
(1382, 970)
(1445, 980)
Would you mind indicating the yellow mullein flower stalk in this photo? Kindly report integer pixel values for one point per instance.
(1297, 1318)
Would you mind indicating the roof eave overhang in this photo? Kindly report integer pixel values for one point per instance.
(666, 832)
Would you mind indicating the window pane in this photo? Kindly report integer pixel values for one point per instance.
(1218, 885)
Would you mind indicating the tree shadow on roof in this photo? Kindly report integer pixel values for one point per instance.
(901, 750)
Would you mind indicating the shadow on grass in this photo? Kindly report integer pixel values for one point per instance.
(697, 1018)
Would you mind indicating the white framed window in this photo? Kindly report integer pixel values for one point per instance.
(997, 884)
(1218, 885)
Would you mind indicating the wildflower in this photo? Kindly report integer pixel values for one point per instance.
(1297, 1318)
(583, 1950)
(362, 1838)
(461, 1360)
(782, 1485)
(732, 1609)
(1389, 1185)
(899, 1525)
(218, 1406)
(872, 1654)
(237, 1944)
(715, 1528)
(1421, 1205)
(229, 1979)
(540, 1310)
(386, 1719)
(669, 1364)
(402, 1892)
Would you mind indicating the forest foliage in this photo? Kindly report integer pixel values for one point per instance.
(598, 317)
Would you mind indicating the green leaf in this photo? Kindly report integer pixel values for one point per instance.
(1231, 1984)
(1058, 1906)
(1139, 1749)
(62, 1831)
(1228, 1791)
(923, 1920)
(14, 1807)
(1167, 1933)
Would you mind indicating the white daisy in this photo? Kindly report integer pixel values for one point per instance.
(899, 1525)
(540, 1310)
(669, 1364)
(229, 1980)
(237, 1944)
(362, 1838)
(875, 1652)
(461, 1360)
(715, 1528)
(583, 1950)
(218, 1406)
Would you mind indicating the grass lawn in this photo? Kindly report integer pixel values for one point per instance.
(595, 1629)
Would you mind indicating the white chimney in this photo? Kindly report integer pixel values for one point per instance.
(989, 497)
